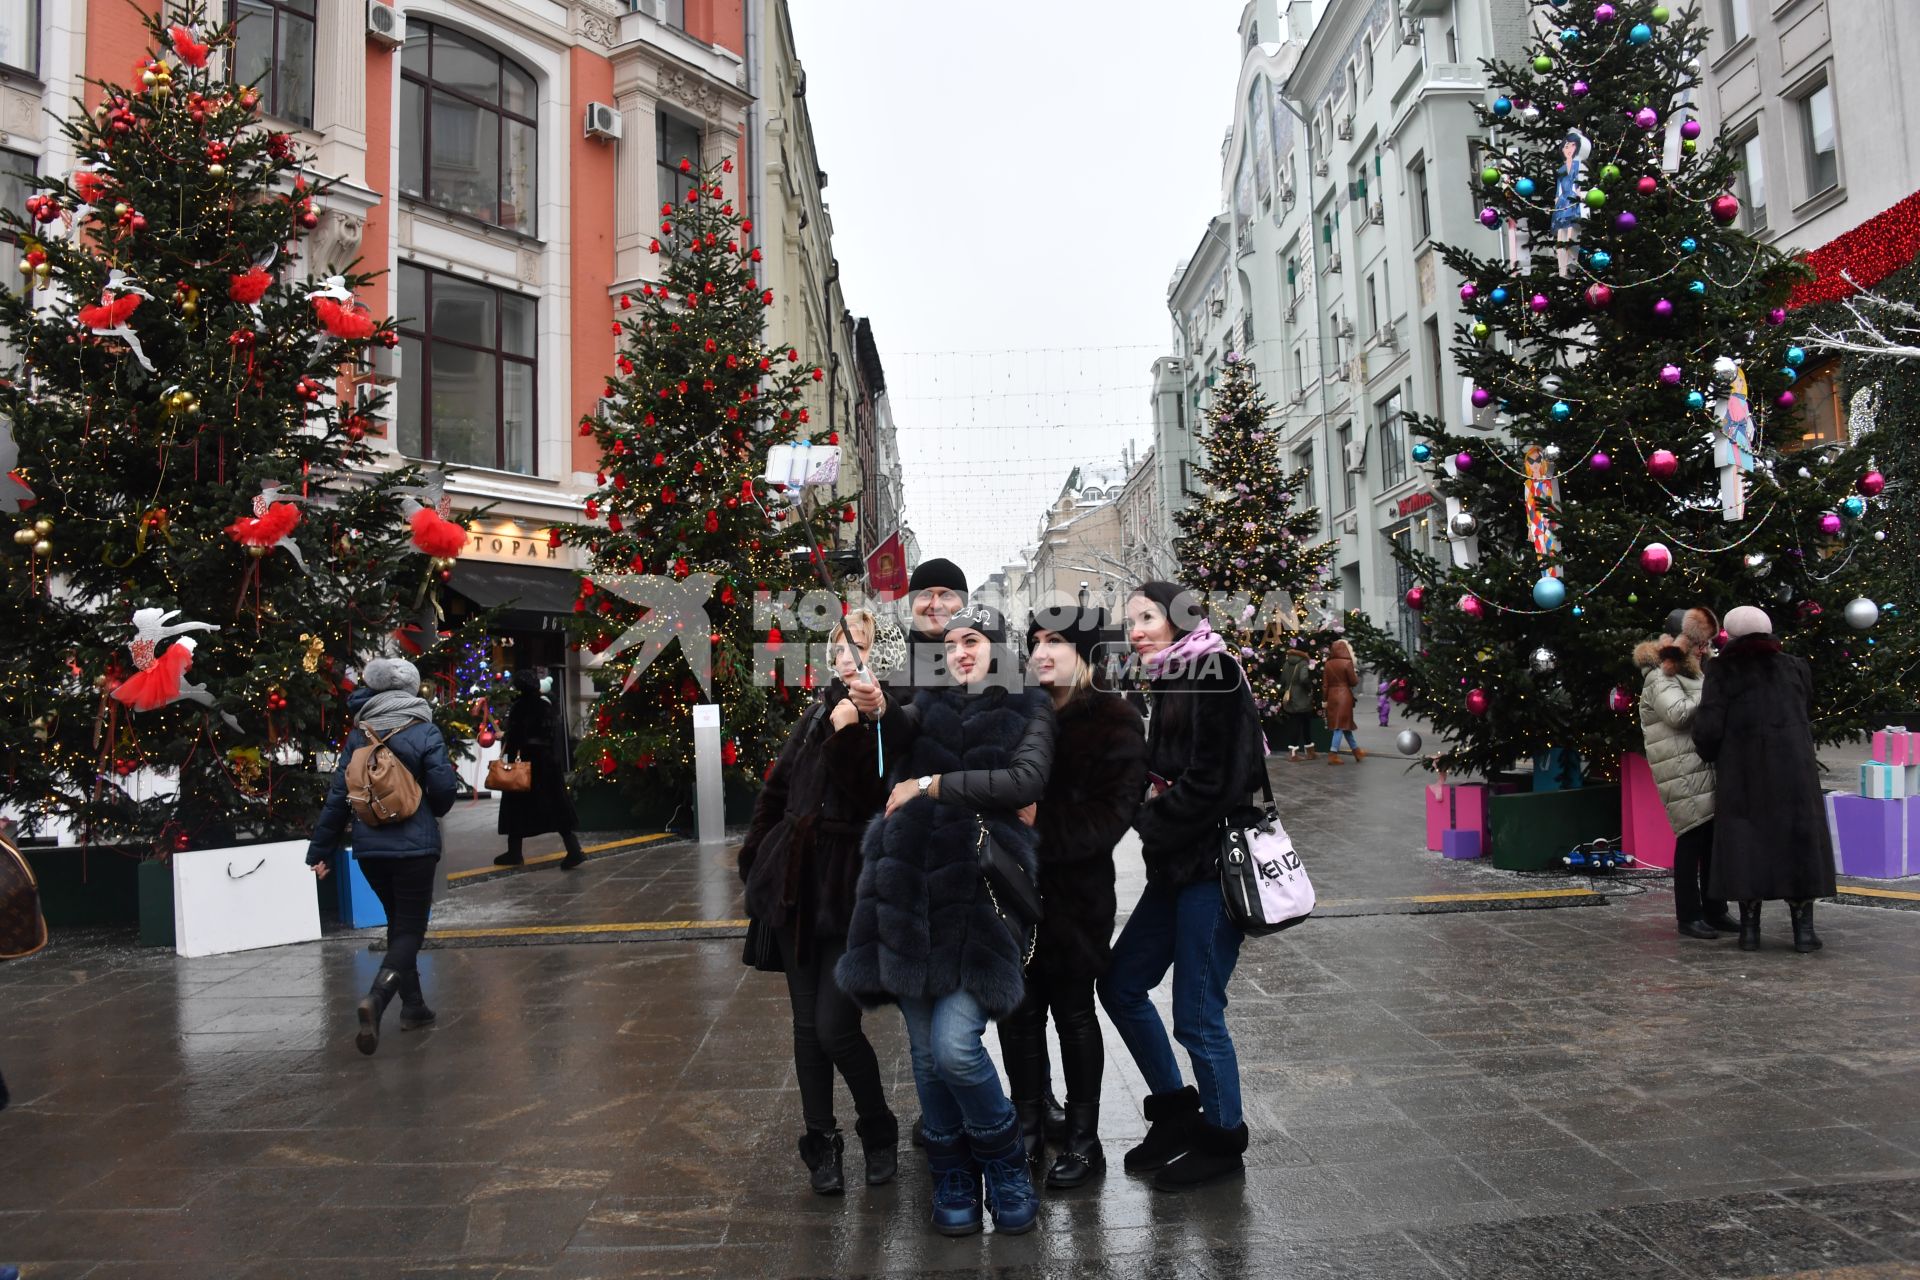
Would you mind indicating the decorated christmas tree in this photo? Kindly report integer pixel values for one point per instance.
(1633, 386)
(194, 568)
(697, 400)
(1247, 543)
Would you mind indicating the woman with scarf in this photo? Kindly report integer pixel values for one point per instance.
(927, 931)
(536, 736)
(800, 862)
(1205, 754)
(397, 858)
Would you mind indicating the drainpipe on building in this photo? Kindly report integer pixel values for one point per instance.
(1320, 317)
(833, 361)
(756, 123)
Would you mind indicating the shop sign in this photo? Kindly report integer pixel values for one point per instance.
(1413, 502)
(510, 543)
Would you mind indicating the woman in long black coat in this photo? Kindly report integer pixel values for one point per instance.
(1754, 725)
(1099, 777)
(535, 735)
(801, 862)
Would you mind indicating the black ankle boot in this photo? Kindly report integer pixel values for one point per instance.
(413, 1005)
(1080, 1155)
(1033, 1132)
(823, 1153)
(373, 1006)
(1750, 925)
(509, 859)
(880, 1141)
(1056, 1120)
(1804, 938)
(1215, 1153)
(1170, 1121)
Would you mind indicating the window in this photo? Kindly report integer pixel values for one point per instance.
(676, 140)
(20, 35)
(1436, 361)
(1303, 463)
(1299, 371)
(1422, 206)
(1344, 443)
(1406, 621)
(1820, 418)
(1187, 480)
(1823, 150)
(1373, 306)
(1739, 21)
(1453, 44)
(671, 12)
(1393, 441)
(1366, 65)
(16, 184)
(470, 141)
(1753, 182)
(467, 391)
(273, 51)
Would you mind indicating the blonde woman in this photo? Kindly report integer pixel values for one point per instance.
(801, 861)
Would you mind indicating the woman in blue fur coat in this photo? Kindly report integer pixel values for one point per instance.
(925, 932)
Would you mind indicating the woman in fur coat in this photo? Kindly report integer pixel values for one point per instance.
(926, 932)
(1755, 726)
(1099, 775)
(800, 862)
(1669, 696)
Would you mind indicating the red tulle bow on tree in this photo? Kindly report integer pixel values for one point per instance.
(158, 683)
(268, 527)
(435, 535)
(344, 320)
(191, 51)
(112, 313)
(249, 288)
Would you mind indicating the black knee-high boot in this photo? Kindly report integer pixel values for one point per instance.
(1083, 1063)
(1023, 1045)
(372, 1007)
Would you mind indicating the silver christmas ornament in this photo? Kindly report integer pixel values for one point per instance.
(1862, 613)
(1463, 524)
(1553, 452)
(1543, 660)
(1409, 742)
(1759, 564)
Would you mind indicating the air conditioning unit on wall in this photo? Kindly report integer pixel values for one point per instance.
(386, 24)
(603, 122)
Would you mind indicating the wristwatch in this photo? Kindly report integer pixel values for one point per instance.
(926, 782)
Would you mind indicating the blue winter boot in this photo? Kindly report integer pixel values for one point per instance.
(956, 1185)
(1010, 1195)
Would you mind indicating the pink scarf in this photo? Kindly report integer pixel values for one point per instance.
(1191, 647)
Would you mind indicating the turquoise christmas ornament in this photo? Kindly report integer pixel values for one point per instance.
(1549, 593)
(1561, 411)
(1570, 35)
(1502, 106)
(1789, 374)
(1689, 245)
(1796, 356)
(1695, 400)
(1855, 506)
(1641, 33)
(1697, 286)
(1422, 451)
(1499, 294)
(1579, 611)
(1523, 187)
(1600, 259)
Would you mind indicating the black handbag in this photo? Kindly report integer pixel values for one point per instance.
(762, 950)
(1015, 896)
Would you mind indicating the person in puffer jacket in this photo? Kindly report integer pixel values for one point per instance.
(1669, 695)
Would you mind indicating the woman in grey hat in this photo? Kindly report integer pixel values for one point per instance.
(396, 857)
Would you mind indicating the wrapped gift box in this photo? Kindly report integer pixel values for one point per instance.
(1645, 830)
(1886, 781)
(1894, 745)
(1874, 838)
(359, 908)
(1455, 806)
(1461, 845)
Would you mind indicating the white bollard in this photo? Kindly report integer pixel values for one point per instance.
(709, 802)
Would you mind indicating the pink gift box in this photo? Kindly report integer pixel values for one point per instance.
(1895, 746)
(1645, 830)
(1455, 806)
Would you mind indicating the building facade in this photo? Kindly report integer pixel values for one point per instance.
(501, 164)
(1344, 167)
(1077, 554)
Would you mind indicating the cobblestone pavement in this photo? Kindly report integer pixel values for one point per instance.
(1559, 1087)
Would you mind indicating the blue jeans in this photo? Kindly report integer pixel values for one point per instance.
(1353, 743)
(955, 1078)
(1188, 930)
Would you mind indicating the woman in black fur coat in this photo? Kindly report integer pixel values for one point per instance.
(800, 862)
(1099, 775)
(925, 930)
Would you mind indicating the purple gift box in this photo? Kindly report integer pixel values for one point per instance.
(1460, 844)
(1873, 838)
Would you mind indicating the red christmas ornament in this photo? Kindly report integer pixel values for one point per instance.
(607, 764)
(1725, 207)
(847, 516)
(553, 537)
(713, 522)
(666, 497)
(819, 374)
(833, 437)
(729, 753)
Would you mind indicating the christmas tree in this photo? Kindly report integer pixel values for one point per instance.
(195, 568)
(1627, 345)
(1247, 543)
(696, 401)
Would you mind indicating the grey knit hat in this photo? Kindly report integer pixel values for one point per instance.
(391, 674)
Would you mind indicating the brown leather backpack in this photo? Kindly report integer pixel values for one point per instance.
(381, 790)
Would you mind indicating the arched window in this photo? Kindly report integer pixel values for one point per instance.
(469, 142)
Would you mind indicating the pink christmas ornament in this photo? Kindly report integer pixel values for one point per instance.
(1788, 399)
(1670, 374)
(1482, 397)
(1777, 316)
(1830, 524)
(1471, 606)
(1647, 185)
(1599, 296)
(1538, 302)
(1468, 293)
(1663, 308)
(1647, 118)
(1655, 558)
(1871, 484)
(1619, 700)
(1463, 461)
(1690, 130)
(1662, 463)
(1725, 207)
(1477, 702)
(1416, 598)
(1600, 461)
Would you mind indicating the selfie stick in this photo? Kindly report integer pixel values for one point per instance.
(819, 562)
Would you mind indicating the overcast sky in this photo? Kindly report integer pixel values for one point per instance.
(1012, 187)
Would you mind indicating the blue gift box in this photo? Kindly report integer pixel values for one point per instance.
(1461, 845)
(359, 908)
(1874, 838)
(1886, 781)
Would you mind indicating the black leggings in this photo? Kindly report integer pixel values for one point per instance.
(1692, 863)
(826, 1035)
(1298, 726)
(1023, 1040)
(405, 888)
(571, 839)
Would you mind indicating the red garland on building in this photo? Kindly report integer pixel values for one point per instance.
(1869, 253)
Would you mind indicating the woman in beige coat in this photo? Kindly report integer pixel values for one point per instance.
(1669, 695)
(1338, 680)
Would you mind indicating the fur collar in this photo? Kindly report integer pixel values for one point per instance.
(1649, 654)
(1751, 648)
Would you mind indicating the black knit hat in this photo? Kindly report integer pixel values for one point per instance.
(984, 618)
(1084, 629)
(938, 573)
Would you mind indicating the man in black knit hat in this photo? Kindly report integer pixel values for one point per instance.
(937, 591)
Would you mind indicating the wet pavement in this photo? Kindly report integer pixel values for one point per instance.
(1436, 1088)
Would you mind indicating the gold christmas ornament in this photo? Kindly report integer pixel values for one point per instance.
(43, 548)
(216, 170)
(258, 552)
(24, 536)
(43, 526)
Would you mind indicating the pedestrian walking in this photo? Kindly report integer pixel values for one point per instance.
(927, 928)
(1338, 679)
(397, 855)
(1205, 754)
(801, 862)
(1383, 700)
(1296, 703)
(1099, 775)
(536, 737)
(1754, 725)
(1669, 698)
